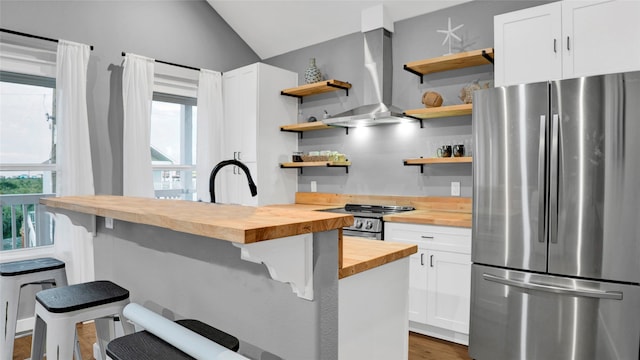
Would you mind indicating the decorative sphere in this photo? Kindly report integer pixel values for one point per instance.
(431, 99)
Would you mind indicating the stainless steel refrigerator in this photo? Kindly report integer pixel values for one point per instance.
(556, 220)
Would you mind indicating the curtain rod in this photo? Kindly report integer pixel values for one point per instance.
(172, 64)
(32, 36)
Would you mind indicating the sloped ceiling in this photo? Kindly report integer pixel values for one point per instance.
(272, 28)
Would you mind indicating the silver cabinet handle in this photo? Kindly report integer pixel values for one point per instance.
(427, 237)
(554, 45)
(568, 46)
(422, 259)
(239, 155)
(588, 293)
(431, 260)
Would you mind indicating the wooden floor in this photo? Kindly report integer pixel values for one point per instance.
(420, 347)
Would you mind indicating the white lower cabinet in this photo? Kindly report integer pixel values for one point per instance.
(439, 279)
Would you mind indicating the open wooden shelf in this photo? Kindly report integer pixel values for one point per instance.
(436, 160)
(316, 88)
(438, 112)
(308, 126)
(303, 164)
(450, 62)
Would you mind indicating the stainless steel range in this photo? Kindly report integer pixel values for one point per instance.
(368, 221)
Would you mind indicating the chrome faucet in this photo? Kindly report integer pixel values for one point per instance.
(252, 186)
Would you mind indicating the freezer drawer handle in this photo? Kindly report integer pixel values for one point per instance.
(613, 295)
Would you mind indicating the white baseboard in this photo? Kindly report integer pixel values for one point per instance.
(25, 325)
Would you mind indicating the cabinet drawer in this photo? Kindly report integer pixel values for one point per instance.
(431, 237)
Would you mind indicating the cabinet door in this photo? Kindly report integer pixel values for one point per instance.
(527, 45)
(448, 290)
(418, 286)
(240, 113)
(405, 233)
(600, 37)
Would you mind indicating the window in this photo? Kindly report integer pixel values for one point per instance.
(173, 146)
(27, 158)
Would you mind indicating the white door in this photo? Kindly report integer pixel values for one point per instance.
(527, 45)
(448, 290)
(600, 37)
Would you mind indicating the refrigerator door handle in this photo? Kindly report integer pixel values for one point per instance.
(541, 180)
(588, 293)
(553, 182)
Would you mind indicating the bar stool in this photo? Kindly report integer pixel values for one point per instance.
(145, 346)
(47, 272)
(58, 311)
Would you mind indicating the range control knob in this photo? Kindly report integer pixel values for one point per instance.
(368, 225)
(358, 224)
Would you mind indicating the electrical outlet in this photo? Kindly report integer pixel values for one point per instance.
(314, 186)
(455, 188)
(108, 223)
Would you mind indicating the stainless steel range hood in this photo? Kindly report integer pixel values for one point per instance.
(378, 76)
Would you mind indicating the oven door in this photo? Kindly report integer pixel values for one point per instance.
(362, 234)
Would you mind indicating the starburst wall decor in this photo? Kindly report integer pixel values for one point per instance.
(450, 34)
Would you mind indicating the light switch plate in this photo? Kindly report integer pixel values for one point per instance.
(108, 223)
(455, 188)
(314, 186)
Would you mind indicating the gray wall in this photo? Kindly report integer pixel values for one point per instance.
(187, 32)
(377, 152)
(208, 281)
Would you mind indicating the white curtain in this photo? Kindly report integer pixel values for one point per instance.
(74, 176)
(209, 138)
(137, 95)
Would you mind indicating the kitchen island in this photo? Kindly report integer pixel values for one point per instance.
(267, 275)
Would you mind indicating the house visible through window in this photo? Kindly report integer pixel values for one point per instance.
(27, 158)
(173, 146)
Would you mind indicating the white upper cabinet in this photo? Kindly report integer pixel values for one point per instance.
(253, 110)
(600, 37)
(526, 45)
(566, 39)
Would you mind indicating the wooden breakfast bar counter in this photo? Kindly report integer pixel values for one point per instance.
(267, 275)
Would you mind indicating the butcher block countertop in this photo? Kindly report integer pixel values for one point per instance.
(432, 217)
(360, 254)
(443, 211)
(235, 223)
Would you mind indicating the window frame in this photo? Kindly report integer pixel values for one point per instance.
(45, 224)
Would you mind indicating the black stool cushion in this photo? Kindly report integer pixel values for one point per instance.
(22, 267)
(81, 296)
(143, 345)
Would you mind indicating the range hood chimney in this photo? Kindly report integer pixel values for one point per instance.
(378, 76)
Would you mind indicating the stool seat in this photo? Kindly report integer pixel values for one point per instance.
(44, 272)
(58, 311)
(144, 345)
(81, 296)
(22, 267)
